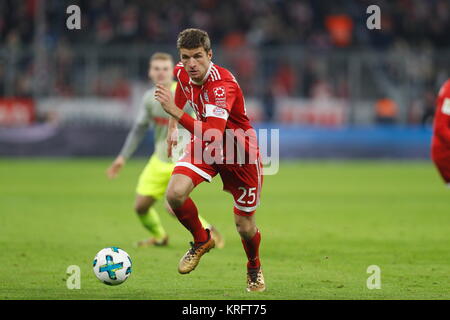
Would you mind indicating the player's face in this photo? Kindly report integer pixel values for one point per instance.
(196, 62)
(160, 71)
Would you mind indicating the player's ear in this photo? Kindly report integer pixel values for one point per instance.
(210, 54)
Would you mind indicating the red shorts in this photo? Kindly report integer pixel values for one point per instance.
(243, 181)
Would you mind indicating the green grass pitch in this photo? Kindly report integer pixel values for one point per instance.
(322, 222)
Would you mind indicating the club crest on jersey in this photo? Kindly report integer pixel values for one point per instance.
(205, 95)
(186, 89)
(220, 112)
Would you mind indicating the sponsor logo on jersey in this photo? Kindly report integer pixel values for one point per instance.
(220, 96)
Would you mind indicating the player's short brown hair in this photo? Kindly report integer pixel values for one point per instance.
(160, 56)
(193, 38)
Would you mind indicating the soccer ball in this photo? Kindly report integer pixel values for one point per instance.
(112, 266)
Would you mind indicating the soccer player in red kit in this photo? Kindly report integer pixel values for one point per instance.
(218, 102)
(440, 145)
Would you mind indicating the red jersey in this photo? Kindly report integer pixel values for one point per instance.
(218, 103)
(441, 126)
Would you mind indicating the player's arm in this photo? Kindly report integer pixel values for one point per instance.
(199, 128)
(172, 130)
(442, 130)
(216, 116)
(134, 138)
(172, 135)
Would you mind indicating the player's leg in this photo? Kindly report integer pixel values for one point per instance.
(178, 190)
(244, 182)
(206, 225)
(151, 187)
(181, 184)
(215, 233)
(150, 220)
(251, 239)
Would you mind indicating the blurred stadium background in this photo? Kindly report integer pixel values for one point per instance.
(310, 68)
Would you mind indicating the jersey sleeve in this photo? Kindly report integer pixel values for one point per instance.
(221, 96)
(190, 124)
(138, 131)
(442, 126)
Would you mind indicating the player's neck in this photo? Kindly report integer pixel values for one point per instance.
(199, 83)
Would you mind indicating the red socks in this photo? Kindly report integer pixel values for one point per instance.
(251, 247)
(188, 216)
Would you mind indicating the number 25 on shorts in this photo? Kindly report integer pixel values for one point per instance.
(250, 193)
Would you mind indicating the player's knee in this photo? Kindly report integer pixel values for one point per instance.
(246, 230)
(141, 208)
(143, 204)
(176, 196)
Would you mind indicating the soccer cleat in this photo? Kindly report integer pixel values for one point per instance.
(218, 238)
(255, 280)
(153, 242)
(192, 257)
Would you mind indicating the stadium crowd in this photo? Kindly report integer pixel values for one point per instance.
(251, 27)
(326, 24)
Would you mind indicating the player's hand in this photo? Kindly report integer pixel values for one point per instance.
(115, 167)
(164, 96)
(172, 140)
